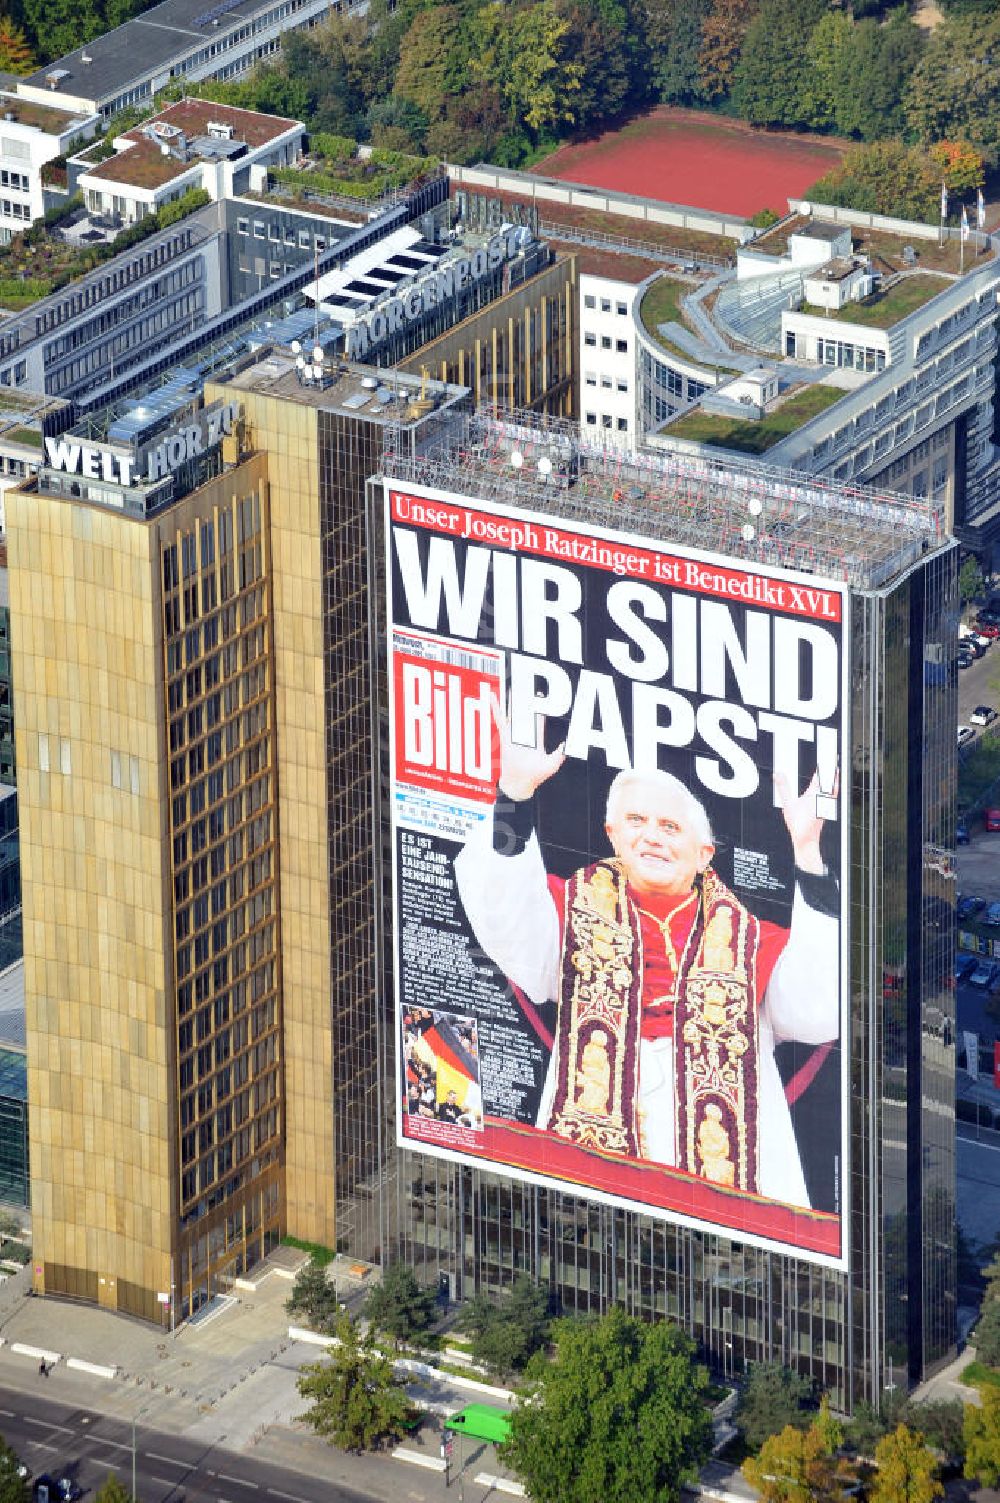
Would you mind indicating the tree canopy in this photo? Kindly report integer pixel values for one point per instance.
(772, 1397)
(619, 1416)
(795, 1466)
(907, 1470)
(982, 1437)
(356, 1400)
(507, 1330)
(400, 1306)
(113, 1491)
(313, 1296)
(13, 1489)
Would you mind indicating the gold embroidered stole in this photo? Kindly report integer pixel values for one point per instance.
(715, 1028)
(716, 1045)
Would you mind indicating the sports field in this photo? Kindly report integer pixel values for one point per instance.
(688, 157)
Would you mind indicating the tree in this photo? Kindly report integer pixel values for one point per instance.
(507, 1331)
(988, 1334)
(961, 165)
(357, 1401)
(940, 1421)
(15, 54)
(113, 1491)
(883, 177)
(671, 30)
(772, 1397)
(970, 587)
(907, 1470)
(433, 59)
(599, 40)
(873, 76)
(771, 80)
(723, 32)
(982, 1437)
(524, 54)
(399, 1306)
(952, 91)
(829, 43)
(13, 1489)
(619, 1416)
(795, 1467)
(313, 1295)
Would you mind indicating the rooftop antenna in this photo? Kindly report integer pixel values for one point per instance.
(316, 300)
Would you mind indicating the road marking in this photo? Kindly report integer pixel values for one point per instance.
(47, 1425)
(103, 1461)
(165, 1482)
(116, 1445)
(292, 1497)
(41, 1445)
(240, 1482)
(167, 1460)
(7, 1413)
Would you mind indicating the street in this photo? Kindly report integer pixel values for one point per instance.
(56, 1438)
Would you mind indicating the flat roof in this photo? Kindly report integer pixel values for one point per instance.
(851, 533)
(151, 41)
(820, 229)
(194, 116)
(43, 117)
(345, 391)
(886, 306)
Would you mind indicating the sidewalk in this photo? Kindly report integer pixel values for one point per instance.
(227, 1380)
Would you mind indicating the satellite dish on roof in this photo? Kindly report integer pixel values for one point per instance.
(545, 465)
(805, 208)
(516, 458)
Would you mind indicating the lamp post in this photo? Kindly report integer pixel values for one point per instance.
(137, 1416)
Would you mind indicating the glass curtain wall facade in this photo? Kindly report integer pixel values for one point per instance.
(742, 1304)
(223, 867)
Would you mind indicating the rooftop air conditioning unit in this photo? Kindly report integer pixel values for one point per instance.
(85, 57)
(220, 130)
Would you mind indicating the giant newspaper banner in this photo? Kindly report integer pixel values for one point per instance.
(619, 867)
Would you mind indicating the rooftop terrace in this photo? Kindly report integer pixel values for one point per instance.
(39, 116)
(756, 437)
(888, 306)
(744, 509)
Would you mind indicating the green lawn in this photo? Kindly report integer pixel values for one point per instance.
(28, 436)
(755, 437)
(662, 305)
(883, 309)
(975, 1373)
(978, 770)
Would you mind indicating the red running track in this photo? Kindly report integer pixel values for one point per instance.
(681, 157)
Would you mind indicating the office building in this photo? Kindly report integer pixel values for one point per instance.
(34, 134)
(178, 1018)
(177, 40)
(889, 1307)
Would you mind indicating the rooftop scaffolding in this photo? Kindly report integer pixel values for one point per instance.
(750, 511)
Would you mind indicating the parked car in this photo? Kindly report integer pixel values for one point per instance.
(965, 660)
(965, 964)
(991, 819)
(992, 915)
(966, 907)
(982, 977)
(983, 715)
(965, 735)
(961, 832)
(990, 629)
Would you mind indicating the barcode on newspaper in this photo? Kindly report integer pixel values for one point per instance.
(443, 652)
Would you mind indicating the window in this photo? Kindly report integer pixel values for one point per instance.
(606, 420)
(621, 309)
(621, 384)
(605, 342)
(43, 753)
(591, 340)
(65, 757)
(590, 301)
(621, 345)
(606, 382)
(605, 305)
(623, 425)
(592, 419)
(590, 378)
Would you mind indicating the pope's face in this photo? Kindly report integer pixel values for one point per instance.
(654, 838)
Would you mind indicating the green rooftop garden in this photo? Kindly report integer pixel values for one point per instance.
(883, 309)
(661, 304)
(755, 437)
(31, 437)
(334, 167)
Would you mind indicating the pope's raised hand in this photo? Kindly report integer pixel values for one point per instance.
(523, 769)
(804, 825)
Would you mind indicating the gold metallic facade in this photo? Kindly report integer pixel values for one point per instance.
(152, 965)
(518, 352)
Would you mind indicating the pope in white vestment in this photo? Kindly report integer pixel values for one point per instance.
(670, 996)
